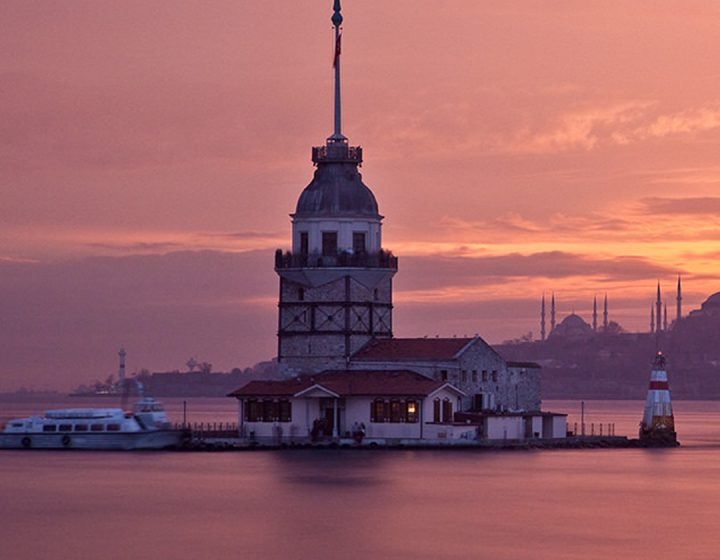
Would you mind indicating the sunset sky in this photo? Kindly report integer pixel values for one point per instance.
(151, 151)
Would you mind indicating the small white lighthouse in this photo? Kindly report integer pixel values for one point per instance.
(658, 423)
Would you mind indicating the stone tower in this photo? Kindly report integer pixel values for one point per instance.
(336, 283)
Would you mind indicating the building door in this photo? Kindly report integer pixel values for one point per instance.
(328, 427)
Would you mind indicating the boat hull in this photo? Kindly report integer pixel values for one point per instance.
(153, 439)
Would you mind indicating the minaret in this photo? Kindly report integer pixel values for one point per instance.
(542, 318)
(594, 314)
(652, 319)
(665, 321)
(336, 283)
(121, 367)
(552, 312)
(679, 301)
(658, 310)
(605, 314)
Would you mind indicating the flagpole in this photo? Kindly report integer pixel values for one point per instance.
(337, 20)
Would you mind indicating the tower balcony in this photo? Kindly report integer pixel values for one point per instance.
(344, 259)
(337, 152)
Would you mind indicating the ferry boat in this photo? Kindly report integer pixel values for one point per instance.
(146, 427)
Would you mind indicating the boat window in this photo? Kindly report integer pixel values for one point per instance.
(157, 407)
(97, 427)
(113, 427)
(81, 427)
(65, 427)
(16, 425)
(49, 428)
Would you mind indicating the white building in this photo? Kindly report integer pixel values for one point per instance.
(343, 367)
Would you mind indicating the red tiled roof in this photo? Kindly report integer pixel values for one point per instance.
(346, 384)
(409, 349)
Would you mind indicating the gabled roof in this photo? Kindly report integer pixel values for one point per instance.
(388, 383)
(412, 349)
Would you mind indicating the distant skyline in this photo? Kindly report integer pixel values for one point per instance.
(152, 151)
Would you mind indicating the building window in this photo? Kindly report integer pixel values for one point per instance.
(301, 294)
(304, 243)
(484, 375)
(376, 294)
(377, 411)
(285, 410)
(443, 375)
(447, 413)
(412, 411)
(329, 244)
(436, 410)
(474, 376)
(395, 411)
(268, 410)
(463, 376)
(358, 242)
(494, 376)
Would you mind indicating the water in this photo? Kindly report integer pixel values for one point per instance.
(561, 504)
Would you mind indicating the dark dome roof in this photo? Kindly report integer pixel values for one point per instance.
(574, 321)
(713, 300)
(337, 190)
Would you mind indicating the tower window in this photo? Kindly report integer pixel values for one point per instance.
(358, 242)
(304, 243)
(329, 244)
(301, 294)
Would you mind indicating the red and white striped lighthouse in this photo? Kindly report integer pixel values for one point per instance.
(658, 423)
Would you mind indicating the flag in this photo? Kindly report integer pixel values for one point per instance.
(337, 50)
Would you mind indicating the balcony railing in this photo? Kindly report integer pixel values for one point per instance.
(344, 259)
(339, 152)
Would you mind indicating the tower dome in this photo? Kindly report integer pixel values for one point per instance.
(337, 190)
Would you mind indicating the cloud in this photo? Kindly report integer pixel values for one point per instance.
(699, 205)
(451, 272)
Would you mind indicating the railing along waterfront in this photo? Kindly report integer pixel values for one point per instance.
(202, 430)
(381, 259)
(592, 429)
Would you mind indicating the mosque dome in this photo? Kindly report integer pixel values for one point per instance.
(711, 306)
(572, 326)
(337, 190)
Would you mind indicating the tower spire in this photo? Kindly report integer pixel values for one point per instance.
(542, 318)
(679, 300)
(552, 313)
(594, 313)
(652, 319)
(658, 310)
(337, 20)
(605, 314)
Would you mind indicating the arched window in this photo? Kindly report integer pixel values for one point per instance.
(436, 410)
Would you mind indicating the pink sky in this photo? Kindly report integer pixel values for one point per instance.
(151, 151)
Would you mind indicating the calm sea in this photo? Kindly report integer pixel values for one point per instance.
(344, 504)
